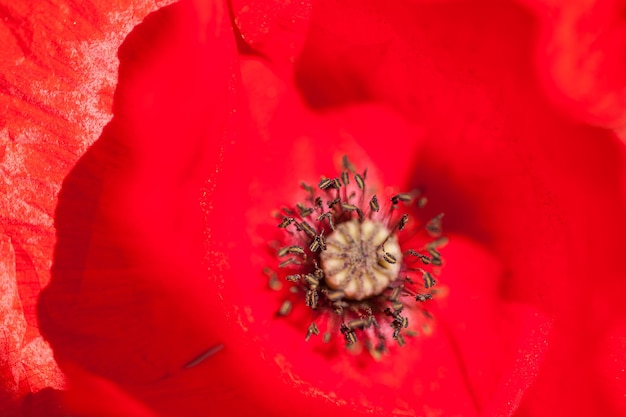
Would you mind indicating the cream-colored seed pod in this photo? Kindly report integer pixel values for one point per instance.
(357, 262)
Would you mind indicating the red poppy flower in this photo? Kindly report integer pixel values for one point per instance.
(157, 303)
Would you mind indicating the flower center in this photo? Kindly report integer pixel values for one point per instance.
(361, 259)
(343, 255)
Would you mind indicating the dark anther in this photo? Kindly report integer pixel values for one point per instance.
(348, 334)
(311, 298)
(315, 245)
(389, 258)
(423, 297)
(395, 293)
(303, 210)
(441, 241)
(349, 207)
(357, 324)
(290, 250)
(334, 201)
(319, 273)
(285, 308)
(293, 278)
(326, 183)
(345, 178)
(328, 216)
(307, 228)
(307, 187)
(360, 182)
(425, 259)
(286, 222)
(274, 284)
(374, 206)
(433, 227)
(312, 280)
(436, 261)
(429, 280)
(318, 243)
(403, 221)
(312, 331)
(404, 197)
(288, 262)
(347, 164)
(335, 295)
(322, 240)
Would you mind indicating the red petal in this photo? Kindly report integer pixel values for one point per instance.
(27, 364)
(500, 344)
(129, 273)
(128, 217)
(503, 164)
(611, 363)
(581, 57)
(272, 28)
(300, 146)
(58, 72)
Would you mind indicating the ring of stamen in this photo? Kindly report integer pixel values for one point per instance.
(361, 258)
(342, 258)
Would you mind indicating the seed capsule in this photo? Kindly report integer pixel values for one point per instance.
(355, 262)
